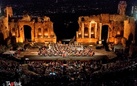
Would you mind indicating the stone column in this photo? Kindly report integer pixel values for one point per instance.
(77, 34)
(82, 30)
(89, 30)
(36, 33)
(48, 32)
(100, 33)
(21, 32)
(95, 29)
(42, 32)
(108, 34)
(32, 33)
(17, 35)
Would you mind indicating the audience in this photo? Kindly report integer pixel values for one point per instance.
(69, 72)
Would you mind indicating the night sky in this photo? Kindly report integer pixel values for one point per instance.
(64, 13)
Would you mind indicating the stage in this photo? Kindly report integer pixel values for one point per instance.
(32, 54)
(38, 57)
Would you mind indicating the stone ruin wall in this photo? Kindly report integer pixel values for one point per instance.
(116, 24)
(16, 28)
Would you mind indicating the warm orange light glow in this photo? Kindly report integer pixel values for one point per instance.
(92, 21)
(46, 34)
(100, 42)
(21, 40)
(92, 32)
(79, 33)
(86, 34)
(118, 32)
(116, 41)
(13, 34)
(40, 34)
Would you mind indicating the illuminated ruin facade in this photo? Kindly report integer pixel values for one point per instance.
(112, 28)
(27, 28)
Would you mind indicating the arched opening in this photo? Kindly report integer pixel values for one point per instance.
(45, 33)
(27, 33)
(130, 39)
(92, 32)
(1, 38)
(39, 33)
(86, 32)
(104, 34)
(13, 40)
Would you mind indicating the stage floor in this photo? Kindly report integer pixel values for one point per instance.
(32, 54)
(37, 57)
